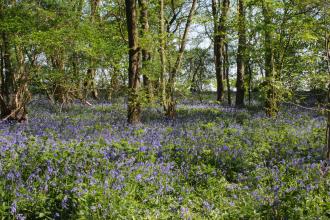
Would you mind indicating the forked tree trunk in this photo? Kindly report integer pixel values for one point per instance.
(170, 107)
(134, 108)
(241, 55)
(14, 93)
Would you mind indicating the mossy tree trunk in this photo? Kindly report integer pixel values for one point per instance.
(271, 102)
(226, 67)
(146, 55)
(134, 107)
(241, 55)
(162, 55)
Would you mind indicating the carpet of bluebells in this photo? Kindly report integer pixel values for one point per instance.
(211, 162)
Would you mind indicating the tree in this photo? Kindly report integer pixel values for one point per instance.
(198, 69)
(241, 55)
(162, 54)
(134, 108)
(146, 54)
(90, 84)
(327, 51)
(271, 99)
(328, 107)
(219, 43)
(14, 93)
(169, 101)
(227, 67)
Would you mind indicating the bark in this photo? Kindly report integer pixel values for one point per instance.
(271, 102)
(1, 67)
(249, 69)
(114, 84)
(219, 41)
(241, 55)
(162, 55)
(327, 46)
(170, 110)
(59, 91)
(146, 55)
(90, 84)
(14, 93)
(94, 4)
(134, 108)
(226, 66)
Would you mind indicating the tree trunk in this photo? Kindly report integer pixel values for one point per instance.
(2, 65)
(146, 55)
(90, 84)
(59, 91)
(114, 84)
(216, 48)
(162, 55)
(227, 65)
(219, 41)
(14, 91)
(271, 102)
(249, 69)
(241, 55)
(134, 108)
(328, 124)
(327, 46)
(170, 88)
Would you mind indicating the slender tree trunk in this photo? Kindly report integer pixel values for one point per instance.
(7, 89)
(328, 124)
(170, 88)
(162, 55)
(227, 65)
(1, 68)
(216, 48)
(271, 102)
(327, 46)
(249, 69)
(114, 83)
(90, 84)
(146, 55)
(134, 108)
(219, 41)
(241, 55)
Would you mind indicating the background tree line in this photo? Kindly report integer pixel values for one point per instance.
(82, 49)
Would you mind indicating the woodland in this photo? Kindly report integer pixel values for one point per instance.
(164, 109)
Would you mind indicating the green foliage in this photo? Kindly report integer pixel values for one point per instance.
(237, 165)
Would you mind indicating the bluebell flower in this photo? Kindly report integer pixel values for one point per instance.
(13, 208)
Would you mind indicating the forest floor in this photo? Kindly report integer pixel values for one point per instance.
(211, 162)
